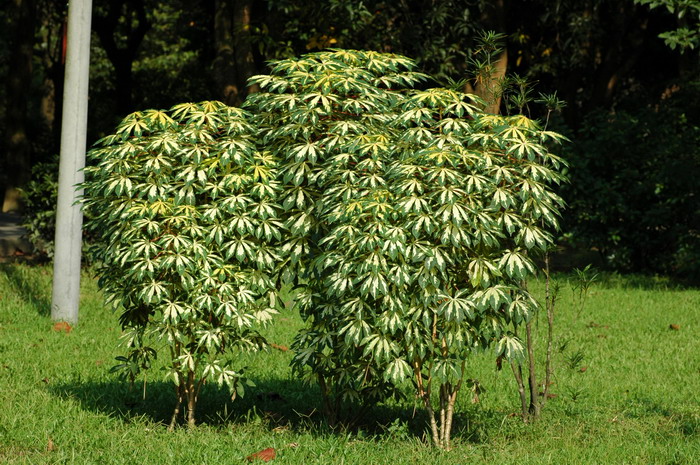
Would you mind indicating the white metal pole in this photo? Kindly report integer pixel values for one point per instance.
(69, 217)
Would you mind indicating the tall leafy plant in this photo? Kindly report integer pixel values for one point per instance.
(182, 207)
(428, 257)
(412, 215)
(326, 117)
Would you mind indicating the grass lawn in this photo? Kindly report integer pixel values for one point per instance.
(627, 391)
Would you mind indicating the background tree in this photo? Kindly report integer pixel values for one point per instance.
(687, 13)
(21, 21)
(600, 57)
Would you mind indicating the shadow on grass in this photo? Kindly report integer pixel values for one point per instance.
(685, 424)
(275, 403)
(33, 287)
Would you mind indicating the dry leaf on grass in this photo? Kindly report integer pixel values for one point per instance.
(279, 347)
(674, 327)
(265, 455)
(62, 326)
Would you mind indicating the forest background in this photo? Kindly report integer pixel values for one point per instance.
(627, 71)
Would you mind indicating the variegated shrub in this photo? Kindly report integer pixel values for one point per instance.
(412, 216)
(326, 116)
(183, 209)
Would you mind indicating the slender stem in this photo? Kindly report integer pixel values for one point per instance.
(424, 394)
(176, 411)
(549, 304)
(443, 411)
(179, 388)
(327, 404)
(534, 408)
(518, 373)
(191, 399)
(451, 406)
(450, 414)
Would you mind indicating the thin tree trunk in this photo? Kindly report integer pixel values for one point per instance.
(534, 408)
(518, 373)
(243, 46)
(123, 57)
(191, 399)
(225, 61)
(424, 394)
(16, 169)
(450, 414)
(234, 62)
(489, 87)
(330, 410)
(443, 412)
(549, 304)
(451, 408)
(434, 429)
(179, 390)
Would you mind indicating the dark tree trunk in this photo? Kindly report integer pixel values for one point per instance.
(121, 40)
(619, 53)
(489, 87)
(234, 62)
(16, 166)
(53, 36)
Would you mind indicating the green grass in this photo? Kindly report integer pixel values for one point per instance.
(637, 402)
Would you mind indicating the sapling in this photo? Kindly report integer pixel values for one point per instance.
(584, 279)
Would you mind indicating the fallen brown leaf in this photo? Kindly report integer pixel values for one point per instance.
(45, 380)
(593, 324)
(50, 446)
(279, 347)
(674, 327)
(583, 369)
(265, 455)
(62, 326)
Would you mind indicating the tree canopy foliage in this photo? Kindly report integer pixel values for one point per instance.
(604, 58)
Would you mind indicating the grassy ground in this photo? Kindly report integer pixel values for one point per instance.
(627, 392)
